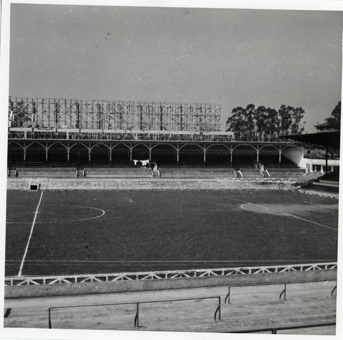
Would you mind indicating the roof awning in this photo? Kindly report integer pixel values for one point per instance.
(328, 139)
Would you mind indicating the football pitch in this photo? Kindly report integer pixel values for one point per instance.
(92, 232)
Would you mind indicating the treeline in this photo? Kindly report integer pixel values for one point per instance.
(335, 120)
(265, 124)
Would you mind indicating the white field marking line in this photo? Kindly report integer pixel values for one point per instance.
(28, 241)
(191, 261)
(70, 221)
(286, 214)
(300, 218)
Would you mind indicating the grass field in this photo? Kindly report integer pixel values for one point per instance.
(83, 232)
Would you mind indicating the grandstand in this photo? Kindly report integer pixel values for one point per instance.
(89, 135)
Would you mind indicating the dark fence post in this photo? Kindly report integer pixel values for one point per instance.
(284, 293)
(49, 318)
(136, 322)
(227, 298)
(218, 310)
(333, 290)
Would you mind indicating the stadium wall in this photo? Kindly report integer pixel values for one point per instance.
(23, 291)
(144, 183)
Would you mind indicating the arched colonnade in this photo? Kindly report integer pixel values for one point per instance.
(171, 153)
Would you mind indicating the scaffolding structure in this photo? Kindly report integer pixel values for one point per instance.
(49, 113)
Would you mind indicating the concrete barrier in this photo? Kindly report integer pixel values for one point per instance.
(149, 285)
(143, 184)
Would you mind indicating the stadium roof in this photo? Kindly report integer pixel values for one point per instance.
(330, 139)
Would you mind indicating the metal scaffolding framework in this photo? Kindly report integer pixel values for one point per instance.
(49, 113)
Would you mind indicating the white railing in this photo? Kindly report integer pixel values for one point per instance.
(162, 275)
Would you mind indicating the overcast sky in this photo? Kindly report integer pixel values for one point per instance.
(233, 57)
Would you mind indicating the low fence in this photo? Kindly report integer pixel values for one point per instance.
(217, 313)
(283, 292)
(136, 319)
(142, 281)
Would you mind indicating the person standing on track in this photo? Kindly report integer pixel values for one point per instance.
(155, 168)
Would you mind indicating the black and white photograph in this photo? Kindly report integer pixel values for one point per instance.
(172, 169)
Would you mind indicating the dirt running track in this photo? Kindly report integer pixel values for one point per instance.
(250, 308)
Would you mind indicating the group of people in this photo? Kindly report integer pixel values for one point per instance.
(155, 169)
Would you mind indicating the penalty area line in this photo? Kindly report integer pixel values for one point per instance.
(28, 241)
(304, 219)
(284, 213)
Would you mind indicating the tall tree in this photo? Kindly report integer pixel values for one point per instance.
(290, 119)
(236, 123)
(265, 123)
(335, 120)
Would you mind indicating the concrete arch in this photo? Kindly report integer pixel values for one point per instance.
(243, 155)
(78, 153)
(35, 142)
(118, 144)
(55, 143)
(141, 151)
(15, 142)
(164, 154)
(172, 145)
(99, 153)
(189, 154)
(100, 143)
(143, 144)
(191, 144)
(120, 153)
(57, 152)
(35, 152)
(218, 155)
(15, 153)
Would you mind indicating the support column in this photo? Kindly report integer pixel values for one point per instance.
(258, 155)
(205, 156)
(150, 154)
(89, 154)
(280, 151)
(46, 151)
(326, 160)
(177, 155)
(131, 149)
(24, 148)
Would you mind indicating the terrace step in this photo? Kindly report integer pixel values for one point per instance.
(46, 174)
(327, 184)
(326, 181)
(117, 175)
